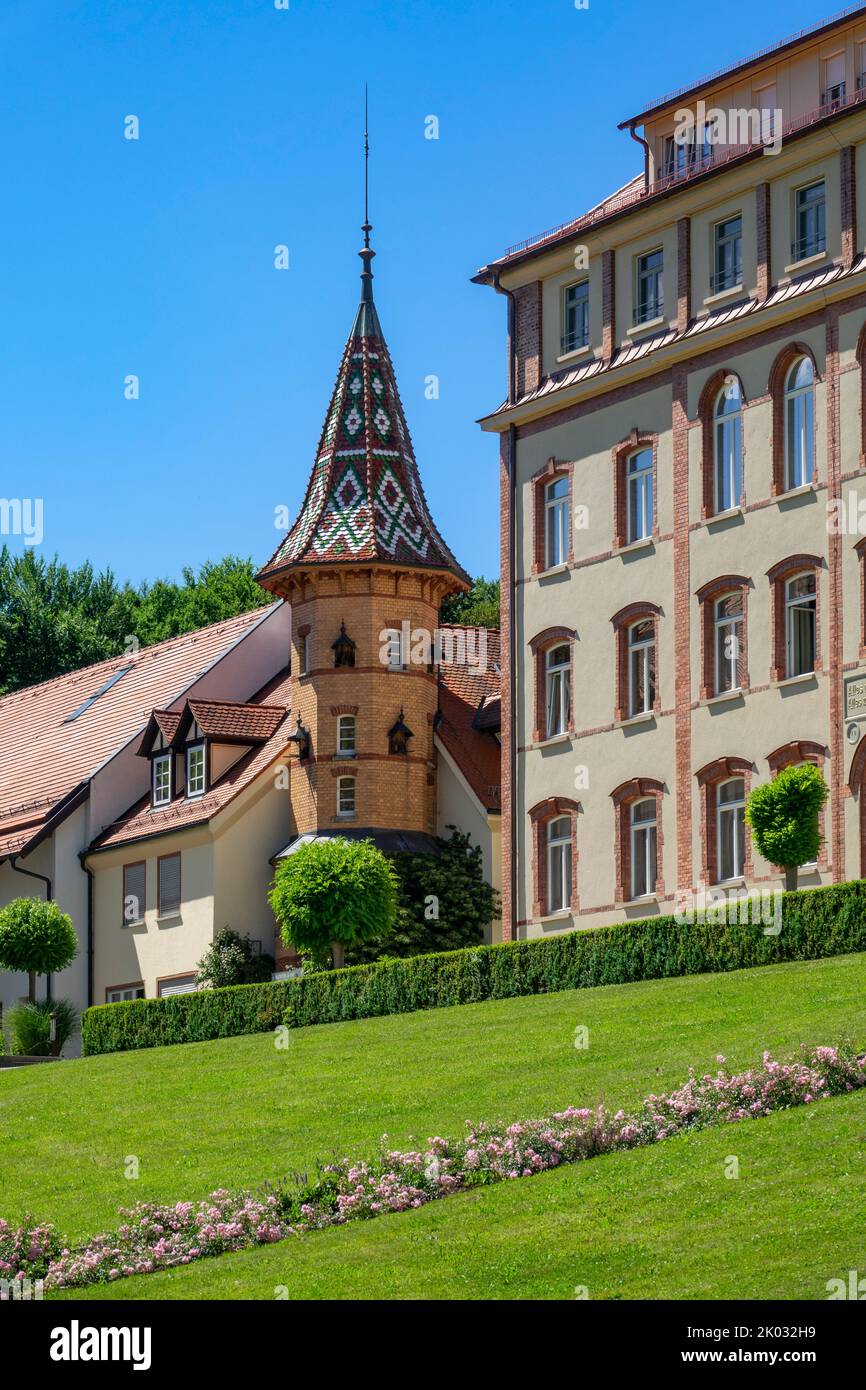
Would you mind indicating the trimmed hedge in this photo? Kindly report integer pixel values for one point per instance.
(815, 922)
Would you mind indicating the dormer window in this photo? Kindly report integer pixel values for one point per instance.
(161, 779)
(195, 770)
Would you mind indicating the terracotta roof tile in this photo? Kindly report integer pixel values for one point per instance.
(239, 723)
(469, 707)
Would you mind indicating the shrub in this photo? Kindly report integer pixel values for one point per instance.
(334, 892)
(30, 1027)
(231, 960)
(818, 922)
(783, 815)
(36, 938)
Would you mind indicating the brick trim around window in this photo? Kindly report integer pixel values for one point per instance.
(803, 751)
(540, 815)
(554, 468)
(539, 645)
(778, 373)
(621, 623)
(707, 597)
(623, 797)
(706, 406)
(620, 454)
(778, 576)
(709, 777)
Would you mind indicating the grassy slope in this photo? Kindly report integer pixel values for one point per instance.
(655, 1223)
(236, 1112)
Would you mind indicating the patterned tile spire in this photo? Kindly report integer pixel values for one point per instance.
(364, 500)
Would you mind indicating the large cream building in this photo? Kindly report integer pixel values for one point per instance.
(682, 454)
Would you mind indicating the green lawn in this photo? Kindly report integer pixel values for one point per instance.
(236, 1112)
(654, 1223)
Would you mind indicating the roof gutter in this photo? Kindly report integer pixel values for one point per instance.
(82, 859)
(43, 878)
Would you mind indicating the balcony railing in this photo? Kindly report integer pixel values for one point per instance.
(648, 311)
(808, 246)
(728, 279)
(834, 96)
(570, 342)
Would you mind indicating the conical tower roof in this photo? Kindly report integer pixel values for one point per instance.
(364, 500)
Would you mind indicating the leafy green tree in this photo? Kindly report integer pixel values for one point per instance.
(36, 938)
(334, 893)
(479, 607)
(444, 903)
(783, 815)
(231, 960)
(221, 589)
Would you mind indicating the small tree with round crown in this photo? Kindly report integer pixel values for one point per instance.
(36, 938)
(331, 893)
(783, 815)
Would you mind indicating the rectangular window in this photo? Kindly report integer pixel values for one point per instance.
(559, 865)
(641, 668)
(810, 230)
(162, 779)
(649, 286)
(765, 100)
(800, 623)
(305, 653)
(168, 884)
(575, 317)
(639, 493)
(556, 522)
(728, 625)
(195, 770)
(558, 690)
(731, 828)
(346, 796)
(180, 984)
(346, 736)
(727, 255)
(833, 94)
(861, 66)
(134, 888)
(644, 841)
(121, 993)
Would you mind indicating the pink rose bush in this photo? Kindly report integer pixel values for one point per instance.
(159, 1237)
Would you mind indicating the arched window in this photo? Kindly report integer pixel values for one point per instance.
(346, 746)
(644, 831)
(641, 667)
(799, 424)
(731, 828)
(800, 624)
(559, 866)
(728, 446)
(557, 689)
(728, 642)
(346, 796)
(639, 495)
(556, 521)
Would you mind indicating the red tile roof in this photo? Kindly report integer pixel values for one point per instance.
(46, 756)
(469, 708)
(141, 821)
(236, 723)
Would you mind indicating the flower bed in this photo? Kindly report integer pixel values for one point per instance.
(159, 1237)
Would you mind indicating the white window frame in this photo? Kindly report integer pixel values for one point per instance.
(649, 287)
(800, 441)
(122, 995)
(735, 811)
(559, 867)
(197, 752)
(809, 602)
(726, 627)
(727, 255)
(161, 761)
(639, 508)
(346, 722)
(556, 522)
(346, 812)
(573, 338)
(640, 830)
(557, 683)
(727, 449)
(811, 215)
(641, 650)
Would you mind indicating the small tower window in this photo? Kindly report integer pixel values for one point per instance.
(346, 746)
(162, 779)
(343, 648)
(346, 797)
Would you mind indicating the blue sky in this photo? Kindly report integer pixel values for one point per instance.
(155, 257)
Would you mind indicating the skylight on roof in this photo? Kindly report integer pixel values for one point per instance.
(106, 685)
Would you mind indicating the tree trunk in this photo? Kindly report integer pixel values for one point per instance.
(31, 975)
(338, 954)
(790, 878)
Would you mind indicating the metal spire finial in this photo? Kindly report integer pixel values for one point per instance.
(366, 253)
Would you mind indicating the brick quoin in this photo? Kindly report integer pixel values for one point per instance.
(608, 304)
(527, 336)
(834, 564)
(682, 628)
(509, 907)
(762, 209)
(848, 181)
(684, 272)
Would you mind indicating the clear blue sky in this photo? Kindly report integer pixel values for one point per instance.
(155, 257)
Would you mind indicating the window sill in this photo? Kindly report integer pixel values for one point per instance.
(726, 883)
(723, 296)
(646, 327)
(561, 916)
(553, 570)
(727, 515)
(194, 796)
(802, 679)
(169, 917)
(805, 262)
(800, 491)
(644, 898)
(553, 741)
(139, 922)
(647, 717)
(346, 815)
(725, 696)
(575, 353)
(645, 543)
(345, 757)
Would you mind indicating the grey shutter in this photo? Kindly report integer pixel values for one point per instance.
(169, 884)
(184, 984)
(134, 886)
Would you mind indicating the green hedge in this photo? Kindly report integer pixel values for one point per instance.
(815, 922)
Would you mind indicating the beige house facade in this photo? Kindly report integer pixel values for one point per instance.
(682, 472)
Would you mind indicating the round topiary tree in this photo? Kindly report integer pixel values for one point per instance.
(36, 938)
(783, 815)
(333, 892)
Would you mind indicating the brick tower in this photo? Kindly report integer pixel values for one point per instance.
(365, 571)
